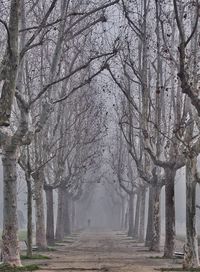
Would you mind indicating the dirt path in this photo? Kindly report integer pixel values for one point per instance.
(101, 251)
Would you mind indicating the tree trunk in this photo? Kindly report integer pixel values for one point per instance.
(41, 241)
(73, 215)
(130, 215)
(142, 215)
(155, 241)
(67, 217)
(169, 213)
(9, 65)
(60, 215)
(10, 245)
(191, 257)
(150, 219)
(50, 215)
(29, 215)
(122, 215)
(137, 217)
(126, 219)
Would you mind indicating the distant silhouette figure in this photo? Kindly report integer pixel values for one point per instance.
(89, 222)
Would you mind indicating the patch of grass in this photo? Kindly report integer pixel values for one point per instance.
(158, 257)
(67, 242)
(35, 257)
(58, 244)
(178, 269)
(8, 268)
(164, 258)
(48, 249)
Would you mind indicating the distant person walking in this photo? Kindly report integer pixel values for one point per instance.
(89, 223)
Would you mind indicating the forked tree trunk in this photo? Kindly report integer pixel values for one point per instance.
(60, 215)
(50, 215)
(150, 218)
(142, 215)
(41, 241)
(130, 214)
(137, 217)
(169, 213)
(29, 215)
(10, 245)
(191, 257)
(155, 241)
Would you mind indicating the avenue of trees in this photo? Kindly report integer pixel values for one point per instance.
(90, 85)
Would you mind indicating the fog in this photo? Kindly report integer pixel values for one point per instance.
(99, 206)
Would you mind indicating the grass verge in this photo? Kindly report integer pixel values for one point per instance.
(161, 257)
(7, 268)
(35, 257)
(177, 269)
(49, 249)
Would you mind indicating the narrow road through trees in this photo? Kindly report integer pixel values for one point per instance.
(102, 251)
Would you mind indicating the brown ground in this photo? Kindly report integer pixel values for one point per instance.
(102, 251)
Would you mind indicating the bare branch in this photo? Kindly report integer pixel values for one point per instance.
(195, 25)
(69, 75)
(39, 29)
(180, 27)
(8, 33)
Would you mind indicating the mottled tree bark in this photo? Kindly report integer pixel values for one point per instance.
(191, 257)
(155, 241)
(150, 218)
(60, 214)
(8, 74)
(137, 216)
(29, 215)
(50, 215)
(9, 66)
(11, 151)
(10, 247)
(142, 215)
(67, 217)
(39, 212)
(130, 215)
(122, 215)
(126, 220)
(73, 215)
(169, 213)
